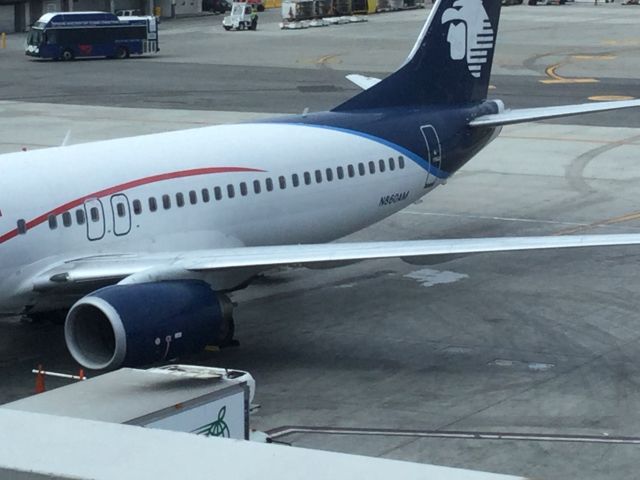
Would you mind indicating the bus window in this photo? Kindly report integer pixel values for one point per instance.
(35, 37)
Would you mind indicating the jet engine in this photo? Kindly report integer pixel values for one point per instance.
(134, 325)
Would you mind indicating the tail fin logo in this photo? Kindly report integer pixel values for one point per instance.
(470, 34)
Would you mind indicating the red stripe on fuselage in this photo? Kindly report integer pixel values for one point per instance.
(125, 186)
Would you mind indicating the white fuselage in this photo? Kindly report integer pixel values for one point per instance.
(109, 188)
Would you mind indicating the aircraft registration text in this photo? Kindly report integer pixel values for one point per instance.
(393, 198)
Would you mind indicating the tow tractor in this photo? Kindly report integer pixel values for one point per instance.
(242, 17)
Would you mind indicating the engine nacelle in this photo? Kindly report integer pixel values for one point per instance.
(134, 325)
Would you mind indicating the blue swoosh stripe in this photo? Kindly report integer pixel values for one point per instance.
(408, 153)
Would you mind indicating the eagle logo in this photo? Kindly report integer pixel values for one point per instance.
(470, 34)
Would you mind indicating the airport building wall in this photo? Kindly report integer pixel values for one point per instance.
(7, 18)
(19, 16)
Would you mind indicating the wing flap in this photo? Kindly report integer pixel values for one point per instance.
(509, 117)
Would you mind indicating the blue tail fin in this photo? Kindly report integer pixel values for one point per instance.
(449, 64)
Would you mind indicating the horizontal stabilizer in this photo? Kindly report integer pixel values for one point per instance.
(363, 81)
(522, 115)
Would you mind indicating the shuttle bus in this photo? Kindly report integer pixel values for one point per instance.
(69, 35)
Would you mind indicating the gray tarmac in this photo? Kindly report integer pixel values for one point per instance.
(385, 358)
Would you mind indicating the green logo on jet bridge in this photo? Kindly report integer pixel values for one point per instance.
(217, 428)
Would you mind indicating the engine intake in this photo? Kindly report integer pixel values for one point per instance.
(134, 325)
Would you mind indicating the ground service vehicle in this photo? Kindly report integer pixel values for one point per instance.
(65, 36)
(242, 17)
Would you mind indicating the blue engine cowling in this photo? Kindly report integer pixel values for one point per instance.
(134, 325)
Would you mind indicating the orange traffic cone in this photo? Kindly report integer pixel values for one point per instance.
(40, 387)
(81, 374)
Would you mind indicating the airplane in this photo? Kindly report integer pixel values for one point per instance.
(138, 242)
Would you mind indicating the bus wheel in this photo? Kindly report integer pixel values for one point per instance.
(226, 28)
(122, 52)
(67, 55)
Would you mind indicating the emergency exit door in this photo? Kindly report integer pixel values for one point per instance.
(94, 213)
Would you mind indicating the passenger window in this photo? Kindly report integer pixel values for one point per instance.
(295, 180)
(166, 202)
(53, 222)
(372, 167)
(153, 205)
(80, 216)
(392, 164)
(180, 199)
(231, 192)
(340, 172)
(22, 227)
(318, 176)
(193, 197)
(66, 219)
(382, 165)
(351, 171)
(361, 168)
(137, 208)
(282, 182)
(307, 178)
(95, 214)
(205, 195)
(329, 173)
(243, 189)
(217, 193)
(119, 208)
(269, 183)
(257, 188)
(401, 162)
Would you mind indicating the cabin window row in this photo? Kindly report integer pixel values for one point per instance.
(79, 216)
(269, 184)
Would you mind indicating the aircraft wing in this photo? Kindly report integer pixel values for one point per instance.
(363, 81)
(144, 268)
(522, 115)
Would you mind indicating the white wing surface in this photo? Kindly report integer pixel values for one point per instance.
(130, 268)
(522, 115)
(362, 81)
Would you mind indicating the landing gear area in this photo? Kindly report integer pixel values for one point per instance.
(227, 332)
(56, 317)
(228, 324)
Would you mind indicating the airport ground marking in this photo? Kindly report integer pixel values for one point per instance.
(555, 78)
(328, 59)
(602, 223)
(610, 98)
(280, 432)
